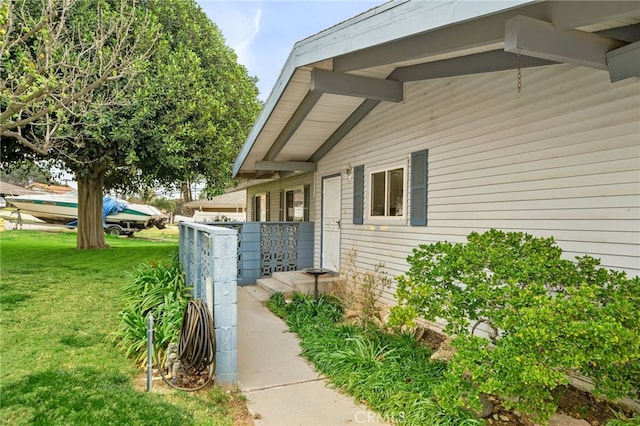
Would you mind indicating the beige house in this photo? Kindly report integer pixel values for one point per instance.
(421, 121)
(286, 199)
(229, 206)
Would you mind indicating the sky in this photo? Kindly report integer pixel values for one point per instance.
(262, 33)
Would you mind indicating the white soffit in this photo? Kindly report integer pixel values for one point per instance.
(296, 91)
(328, 114)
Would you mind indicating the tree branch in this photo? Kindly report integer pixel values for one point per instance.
(24, 141)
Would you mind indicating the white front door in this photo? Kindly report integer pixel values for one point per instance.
(331, 207)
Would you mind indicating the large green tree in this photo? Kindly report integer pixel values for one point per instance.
(183, 117)
(64, 61)
(195, 105)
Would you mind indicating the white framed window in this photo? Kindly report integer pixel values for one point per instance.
(294, 204)
(387, 194)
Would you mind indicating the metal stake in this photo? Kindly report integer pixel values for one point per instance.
(149, 352)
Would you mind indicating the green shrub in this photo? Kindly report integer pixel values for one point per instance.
(548, 316)
(158, 289)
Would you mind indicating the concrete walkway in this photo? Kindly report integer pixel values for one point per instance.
(282, 388)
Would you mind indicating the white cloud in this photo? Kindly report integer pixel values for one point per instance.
(239, 25)
(245, 41)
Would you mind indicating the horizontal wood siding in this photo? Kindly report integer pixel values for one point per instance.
(275, 188)
(561, 159)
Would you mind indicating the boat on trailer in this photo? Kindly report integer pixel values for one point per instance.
(120, 217)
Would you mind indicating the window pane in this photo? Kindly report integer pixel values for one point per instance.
(294, 205)
(377, 194)
(298, 205)
(289, 206)
(396, 186)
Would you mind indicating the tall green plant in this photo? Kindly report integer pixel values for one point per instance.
(157, 289)
(549, 317)
(391, 373)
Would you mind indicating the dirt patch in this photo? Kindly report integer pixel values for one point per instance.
(430, 338)
(572, 402)
(238, 406)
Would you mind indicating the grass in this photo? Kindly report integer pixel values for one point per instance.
(169, 233)
(392, 374)
(58, 308)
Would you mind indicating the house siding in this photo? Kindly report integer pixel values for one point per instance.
(561, 159)
(275, 189)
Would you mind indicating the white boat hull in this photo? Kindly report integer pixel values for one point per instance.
(62, 209)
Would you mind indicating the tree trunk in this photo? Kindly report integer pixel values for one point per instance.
(90, 228)
(185, 191)
(185, 194)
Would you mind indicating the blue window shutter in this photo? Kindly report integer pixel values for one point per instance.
(358, 195)
(281, 214)
(253, 208)
(307, 202)
(419, 173)
(267, 208)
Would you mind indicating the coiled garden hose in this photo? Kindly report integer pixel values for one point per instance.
(197, 344)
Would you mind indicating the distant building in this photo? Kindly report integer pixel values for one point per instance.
(225, 207)
(8, 189)
(51, 189)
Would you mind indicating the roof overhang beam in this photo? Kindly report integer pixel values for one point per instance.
(339, 83)
(541, 39)
(285, 166)
(292, 125)
(478, 63)
(575, 14)
(624, 62)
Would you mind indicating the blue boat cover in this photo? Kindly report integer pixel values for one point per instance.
(109, 206)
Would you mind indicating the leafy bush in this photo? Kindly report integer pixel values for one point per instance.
(158, 289)
(548, 317)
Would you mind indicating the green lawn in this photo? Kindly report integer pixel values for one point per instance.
(58, 365)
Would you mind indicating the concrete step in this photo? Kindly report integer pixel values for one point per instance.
(291, 278)
(272, 285)
(303, 282)
(291, 281)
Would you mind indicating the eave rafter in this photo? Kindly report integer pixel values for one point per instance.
(339, 83)
(286, 166)
(322, 81)
(541, 39)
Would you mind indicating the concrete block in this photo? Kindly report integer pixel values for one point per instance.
(225, 316)
(251, 255)
(226, 338)
(227, 366)
(225, 246)
(225, 269)
(225, 293)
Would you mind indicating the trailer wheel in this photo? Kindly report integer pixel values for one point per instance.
(114, 230)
